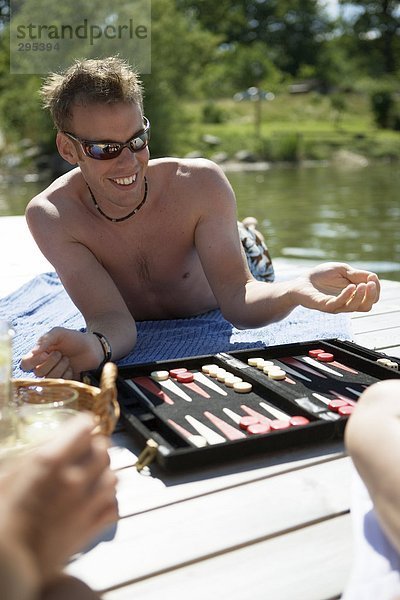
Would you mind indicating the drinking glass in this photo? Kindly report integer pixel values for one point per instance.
(42, 409)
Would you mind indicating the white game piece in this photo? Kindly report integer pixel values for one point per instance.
(213, 370)
(386, 362)
(206, 368)
(260, 364)
(230, 381)
(383, 361)
(253, 361)
(159, 375)
(277, 374)
(268, 365)
(243, 387)
(221, 373)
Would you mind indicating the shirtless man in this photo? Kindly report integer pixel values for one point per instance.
(133, 239)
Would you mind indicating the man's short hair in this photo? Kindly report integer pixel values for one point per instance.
(90, 81)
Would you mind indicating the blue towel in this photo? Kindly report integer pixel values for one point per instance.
(42, 303)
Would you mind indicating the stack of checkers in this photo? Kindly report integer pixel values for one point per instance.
(267, 367)
(386, 362)
(229, 379)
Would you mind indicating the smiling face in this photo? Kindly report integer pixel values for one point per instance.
(118, 182)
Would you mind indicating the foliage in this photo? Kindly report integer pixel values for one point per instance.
(375, 37)
(289, 29)
(205, 51)
(382, 103)
(179, 52)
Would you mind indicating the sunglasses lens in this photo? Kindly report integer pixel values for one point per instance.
(138, 143)
(103, 151)
(108, 150)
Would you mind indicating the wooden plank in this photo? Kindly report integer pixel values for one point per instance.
(382, 321)
(311, 563)
(189, 531)
(380, 340)
(140, 492)
(393, 351)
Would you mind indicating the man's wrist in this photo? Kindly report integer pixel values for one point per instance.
(106, 347)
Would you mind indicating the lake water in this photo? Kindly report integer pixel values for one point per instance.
(315, 213)
(327, 213)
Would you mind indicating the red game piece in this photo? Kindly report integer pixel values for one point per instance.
(298, 420)
(186, 377)
(253, 413)
(245, 422)
(336, 404)
(258, 428)
(345, 411)
(325, 357)
(277, 424)
(314, 353)
(175, 372)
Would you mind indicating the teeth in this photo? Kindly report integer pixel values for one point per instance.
(125, 180)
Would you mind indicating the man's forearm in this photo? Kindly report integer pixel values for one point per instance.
(259, 304)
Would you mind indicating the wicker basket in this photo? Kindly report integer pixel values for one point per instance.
(100, 401)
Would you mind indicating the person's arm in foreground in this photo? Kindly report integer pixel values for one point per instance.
(247, 303)
(53, 501)
(372, 437)
(63, 352)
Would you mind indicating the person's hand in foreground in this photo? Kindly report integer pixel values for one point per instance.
(53, 501)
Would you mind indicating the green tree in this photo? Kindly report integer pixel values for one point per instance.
(180, 51)
(376, 34)
(292, 31)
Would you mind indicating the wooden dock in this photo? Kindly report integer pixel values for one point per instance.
(276, 526)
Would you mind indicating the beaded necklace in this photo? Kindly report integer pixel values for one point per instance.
(128, 216)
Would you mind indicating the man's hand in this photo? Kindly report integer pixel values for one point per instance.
(337, 287)
(63, 353)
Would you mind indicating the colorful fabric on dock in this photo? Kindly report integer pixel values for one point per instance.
(42, 303)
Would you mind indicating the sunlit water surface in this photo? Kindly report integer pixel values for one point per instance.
(315, 213)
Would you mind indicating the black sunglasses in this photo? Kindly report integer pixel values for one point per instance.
(109, 150)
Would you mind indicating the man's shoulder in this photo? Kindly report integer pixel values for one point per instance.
(186, 168)
(63, 186)
(51, 199)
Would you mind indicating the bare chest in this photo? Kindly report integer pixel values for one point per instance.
(155, 268)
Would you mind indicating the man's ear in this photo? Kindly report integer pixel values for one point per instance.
(67, 148)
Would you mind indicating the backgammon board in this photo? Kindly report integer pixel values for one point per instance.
(205, 409)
